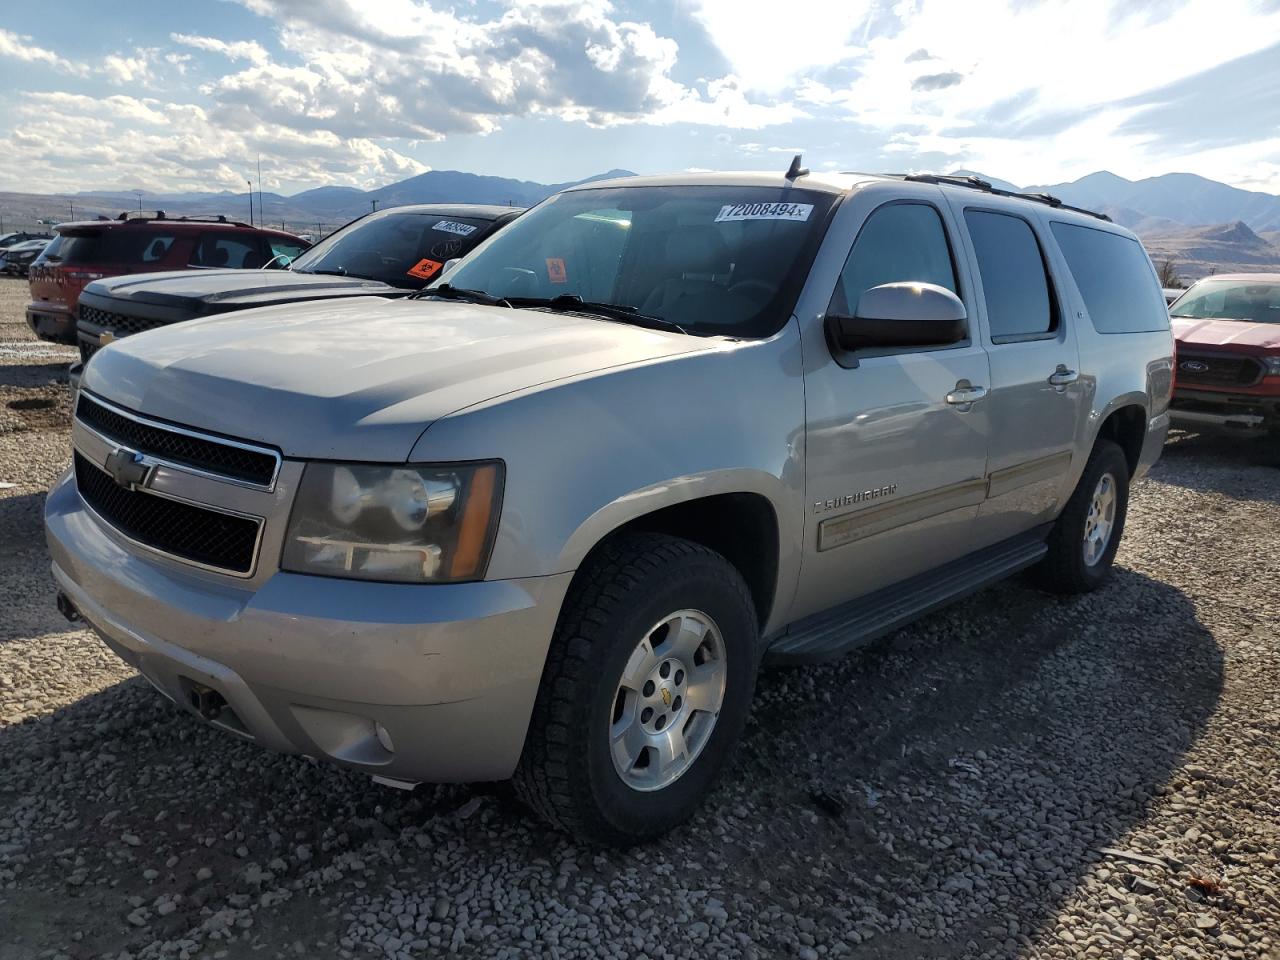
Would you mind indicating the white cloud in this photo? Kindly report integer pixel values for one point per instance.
(249, 50)
(20, 47)
(769, 46)
(154, 145)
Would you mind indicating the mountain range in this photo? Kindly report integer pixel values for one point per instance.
(1200, 224)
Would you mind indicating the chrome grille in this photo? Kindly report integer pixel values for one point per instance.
(210, 538)
(225, 458)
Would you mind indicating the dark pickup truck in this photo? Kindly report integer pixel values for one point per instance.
(390, 253)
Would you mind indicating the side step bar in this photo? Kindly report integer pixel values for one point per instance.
(835, 632)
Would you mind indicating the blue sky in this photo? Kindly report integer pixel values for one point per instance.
(176, 96)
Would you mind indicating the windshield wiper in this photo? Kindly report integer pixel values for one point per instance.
(340, 272)
(572, 303)
(447, 291)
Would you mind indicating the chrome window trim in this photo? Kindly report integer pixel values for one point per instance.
(183, 431)
(222, 571)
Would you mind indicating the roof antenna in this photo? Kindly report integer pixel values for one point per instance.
(795, 170)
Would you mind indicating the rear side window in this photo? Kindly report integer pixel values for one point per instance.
(1014, 282)
(223, 250)
(1115, 279)
(900, 242)
(110, 246)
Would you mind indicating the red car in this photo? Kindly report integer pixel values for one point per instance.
(1227, 368)
(93, 249)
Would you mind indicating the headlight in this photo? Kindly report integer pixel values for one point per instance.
(1272, 365)
(408, 524)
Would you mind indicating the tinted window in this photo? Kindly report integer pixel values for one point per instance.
(1115, 279)
(1013, 278)
(122, 246)
(1252, 301)
(403, 249)
(223, 250)
(717, 260)
(285, 251)
(899, 242)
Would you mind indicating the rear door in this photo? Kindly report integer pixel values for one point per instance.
(1037, 395)
(894, 469)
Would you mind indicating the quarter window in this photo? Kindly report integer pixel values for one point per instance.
(1115, 279)
(900, 242)
(1014, 283)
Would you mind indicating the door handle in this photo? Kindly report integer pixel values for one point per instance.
(1063, 377)
(965, 394)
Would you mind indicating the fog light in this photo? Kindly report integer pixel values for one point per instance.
(384, 737)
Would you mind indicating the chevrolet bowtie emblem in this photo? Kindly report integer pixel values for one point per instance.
(127, 468)
(666, 696)
(105, 337)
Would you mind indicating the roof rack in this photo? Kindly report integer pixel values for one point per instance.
(195, 218)
(977, 183)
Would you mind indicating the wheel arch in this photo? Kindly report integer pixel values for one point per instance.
(742, 525)
(1125, 424)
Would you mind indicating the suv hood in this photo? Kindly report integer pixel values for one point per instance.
(356, 379)
(213, 291)
(1239, 335)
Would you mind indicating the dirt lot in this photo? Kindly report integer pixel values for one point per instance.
(1019, 776)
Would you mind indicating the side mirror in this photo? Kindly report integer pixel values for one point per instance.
(901, 315)
(449, 265)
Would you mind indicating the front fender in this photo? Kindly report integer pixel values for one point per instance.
(587, 455)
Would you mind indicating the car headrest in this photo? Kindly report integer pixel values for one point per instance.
(697, 250)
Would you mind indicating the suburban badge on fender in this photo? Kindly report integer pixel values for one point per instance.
(823, 506)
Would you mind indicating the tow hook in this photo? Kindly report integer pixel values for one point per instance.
(206, 701)
(67, 608)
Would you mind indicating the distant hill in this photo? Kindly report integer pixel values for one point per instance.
(1221, 248)
(1183, 197)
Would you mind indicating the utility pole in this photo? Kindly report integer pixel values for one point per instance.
(262, 203)
(72, 205)
(250, 183)
(375, 205)
(138, 194)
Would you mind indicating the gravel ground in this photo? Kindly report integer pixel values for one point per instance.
(1018, 776)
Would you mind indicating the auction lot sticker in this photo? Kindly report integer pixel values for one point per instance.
(450, 226)
(764, 211)
(556, 272)
(425, 269)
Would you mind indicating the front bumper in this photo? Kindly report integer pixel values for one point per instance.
(52, 322)
(1213, 411)
(417, 683)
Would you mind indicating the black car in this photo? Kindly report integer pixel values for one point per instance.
(8, 240)
(15, 260)
(390, 253)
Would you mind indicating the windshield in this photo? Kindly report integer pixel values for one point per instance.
(400, 248)
(1231, 300)
(715, 260)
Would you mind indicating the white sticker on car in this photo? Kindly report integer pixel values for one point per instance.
(450, 226)
(764, 211)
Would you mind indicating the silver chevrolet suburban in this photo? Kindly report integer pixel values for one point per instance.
(544, 519)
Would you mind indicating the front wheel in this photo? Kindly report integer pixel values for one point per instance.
(1084, 540)
(645, 692)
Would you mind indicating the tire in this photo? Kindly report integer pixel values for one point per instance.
(1068, 567)
(626, 594)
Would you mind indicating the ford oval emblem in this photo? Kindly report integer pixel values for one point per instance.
(1193, 366)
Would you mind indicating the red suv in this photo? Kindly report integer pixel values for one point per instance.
(93, 249)
(1227, 373)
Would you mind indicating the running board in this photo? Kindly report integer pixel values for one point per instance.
(834, 632)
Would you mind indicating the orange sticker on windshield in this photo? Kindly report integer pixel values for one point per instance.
(555, 270)
(425, 269)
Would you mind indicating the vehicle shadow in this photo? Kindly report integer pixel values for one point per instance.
(41, 374)
(1201, 461)
(28, 600)
(922, 797)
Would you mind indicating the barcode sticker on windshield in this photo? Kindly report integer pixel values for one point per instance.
(451, 226)
(764, 211)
